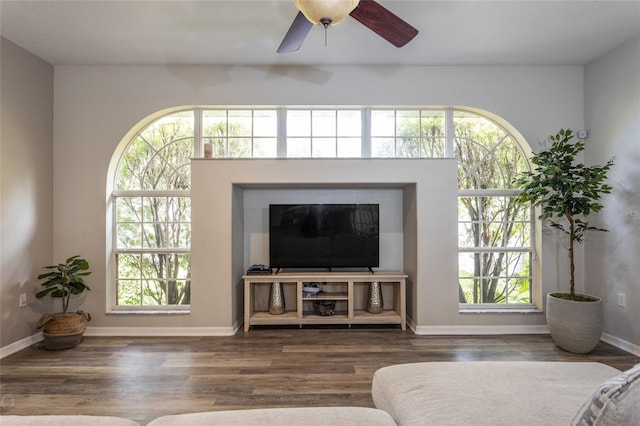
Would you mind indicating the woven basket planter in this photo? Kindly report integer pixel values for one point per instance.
(63, 330)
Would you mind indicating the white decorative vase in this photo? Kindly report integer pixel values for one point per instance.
(575, 326)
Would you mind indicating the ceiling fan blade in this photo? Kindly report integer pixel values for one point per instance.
(383, 22)
(297, 33)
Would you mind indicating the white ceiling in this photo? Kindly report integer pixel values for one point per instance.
(243, 32)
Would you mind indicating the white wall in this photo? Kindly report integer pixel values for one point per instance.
(96, 106)
(612, 115)
(26, 199)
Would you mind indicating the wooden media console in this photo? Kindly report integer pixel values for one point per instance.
(349, 291)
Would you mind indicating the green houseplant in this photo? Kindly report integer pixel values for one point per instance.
(567, 191)
(64, 329)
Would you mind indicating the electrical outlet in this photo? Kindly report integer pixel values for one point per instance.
(23, 300)
(622, 300)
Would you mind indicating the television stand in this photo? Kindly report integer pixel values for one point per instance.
(349, 291)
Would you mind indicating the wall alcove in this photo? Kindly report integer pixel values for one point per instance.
(228, 223)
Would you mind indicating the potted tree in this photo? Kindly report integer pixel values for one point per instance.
(64, 329)
(567, 192)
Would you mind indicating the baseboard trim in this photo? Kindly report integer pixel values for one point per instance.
(458, 330)
(452, 330)
(20, 345)
(621, 344)
(159, 331)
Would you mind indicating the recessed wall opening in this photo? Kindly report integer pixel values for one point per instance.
(417, 201)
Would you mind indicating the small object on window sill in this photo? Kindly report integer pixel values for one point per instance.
(208, 150)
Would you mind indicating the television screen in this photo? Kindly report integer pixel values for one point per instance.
(323, 235)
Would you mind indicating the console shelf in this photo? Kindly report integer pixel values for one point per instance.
(348, 289)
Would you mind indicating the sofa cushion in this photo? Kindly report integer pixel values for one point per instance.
(308, 416)
(486, 392)
(70, 420)
(615, 402)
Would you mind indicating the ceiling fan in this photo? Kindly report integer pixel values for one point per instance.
(331, 12)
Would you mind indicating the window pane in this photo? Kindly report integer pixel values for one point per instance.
(153, 236)
(489, 157)
(179, 234)
(323, 123)
(350, 123)
(214, 123)
(265, 147)
(349, 148)
(265, 123)
(432, 123)
(154, 209)
(382, 147)
(219, 146)
(495, 277)
(129, 292)
(408, 148)
(239, 147)
(299, 147)
(433, 147)
(383, 123)
(240, 123)
(154, 270)
(128, 209)
(156, 158)
(408, 123)
(129, 235)
(128, 266)
(154, 292)
(466, 293)
(324, 147)
(299, 123)
(166, 129)
(128, 279)
(179, 209)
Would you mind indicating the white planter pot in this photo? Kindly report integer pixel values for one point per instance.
(575, 326)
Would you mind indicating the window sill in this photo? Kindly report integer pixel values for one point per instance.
(503, 310)
(151, 312)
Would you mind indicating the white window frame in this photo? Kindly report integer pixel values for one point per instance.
(117, 251)
(281, 144)
(531, 250)
(113, 249)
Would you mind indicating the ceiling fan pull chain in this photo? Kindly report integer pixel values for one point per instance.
(325, 23)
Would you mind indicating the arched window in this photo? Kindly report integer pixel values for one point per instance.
(494, 231)
(152, 216)
(152, 206)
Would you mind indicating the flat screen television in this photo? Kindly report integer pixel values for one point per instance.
(324, 236)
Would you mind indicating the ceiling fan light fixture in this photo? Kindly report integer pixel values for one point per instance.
(320, 11)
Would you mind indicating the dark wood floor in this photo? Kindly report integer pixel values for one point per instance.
(142, 378)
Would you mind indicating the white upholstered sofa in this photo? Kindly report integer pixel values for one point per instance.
(442, 393)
